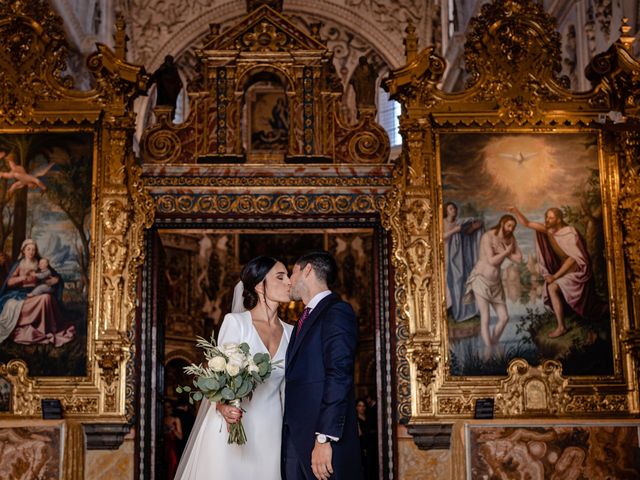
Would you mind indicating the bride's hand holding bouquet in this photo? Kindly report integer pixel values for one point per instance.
(230, 373)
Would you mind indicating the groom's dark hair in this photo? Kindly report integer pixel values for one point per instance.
(323, 264)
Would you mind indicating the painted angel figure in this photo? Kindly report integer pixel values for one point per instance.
(21, 176)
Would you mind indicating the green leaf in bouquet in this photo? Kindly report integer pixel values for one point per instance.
(245, 388)
(227, 394)
(186, 389)
(201, 383)
(244, 348)
(216, 398)
(263, 368)
(256, 377)
(197, 396)
(242, 391)
(260, 357)
(179, 389)
(212, 384)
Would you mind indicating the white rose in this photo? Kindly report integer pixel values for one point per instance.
(230, 348)
(238, 358)
(233, 369)
(217, 364)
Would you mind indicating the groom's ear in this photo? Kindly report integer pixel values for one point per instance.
(308, 270)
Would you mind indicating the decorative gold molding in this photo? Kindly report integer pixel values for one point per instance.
(279, 204)
(223, 181)
(37, 98)
(533, 390)
(511, 89)
(629, 202)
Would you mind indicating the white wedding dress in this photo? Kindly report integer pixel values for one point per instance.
(207, 455)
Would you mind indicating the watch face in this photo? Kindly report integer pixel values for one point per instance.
(322, 438)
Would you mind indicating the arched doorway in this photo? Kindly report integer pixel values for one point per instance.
(210, 257)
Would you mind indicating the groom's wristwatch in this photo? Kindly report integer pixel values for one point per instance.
(322, 438)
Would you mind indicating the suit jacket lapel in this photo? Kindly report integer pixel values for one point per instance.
(298, 337)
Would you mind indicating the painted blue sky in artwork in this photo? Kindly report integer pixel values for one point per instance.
(56, 236)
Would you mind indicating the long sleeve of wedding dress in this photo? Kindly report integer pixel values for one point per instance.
(207, 454)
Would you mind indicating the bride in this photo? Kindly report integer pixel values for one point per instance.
(265, 284)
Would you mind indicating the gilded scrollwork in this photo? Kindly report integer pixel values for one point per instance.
(115, 215)
(114, 253)
(598, 403)
(266, 37)
(530, 389)
(455, 406)
(40, 57)
(23, 401)
(424, 360)
(284, 204)
(110, 354)
(419, 216)
(260, 181)
(35, 97)
(630, 203)
(364, 142)
(511, 89)
(494, 49)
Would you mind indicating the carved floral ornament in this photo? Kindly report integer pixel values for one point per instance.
(36, 98)
(513, 56)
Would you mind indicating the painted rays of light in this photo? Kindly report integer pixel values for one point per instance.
(524, 165)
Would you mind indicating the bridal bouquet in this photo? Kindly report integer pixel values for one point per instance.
(229, 374)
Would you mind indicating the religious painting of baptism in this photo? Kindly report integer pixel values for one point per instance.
(45, 207)
(524, 246)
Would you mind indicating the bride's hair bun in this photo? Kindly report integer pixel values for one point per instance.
(249, 298)
(252, 274)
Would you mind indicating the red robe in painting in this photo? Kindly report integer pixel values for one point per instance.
(577, 286)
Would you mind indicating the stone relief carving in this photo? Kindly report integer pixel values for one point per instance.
(347, 48)
(152, 22)
(604, 10)
(392, 14)
(570, 56)
(590, 31)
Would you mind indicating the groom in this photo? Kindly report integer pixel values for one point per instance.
(320, 433)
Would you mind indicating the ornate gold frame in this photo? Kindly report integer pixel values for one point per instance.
(510, 89)
(37, 97)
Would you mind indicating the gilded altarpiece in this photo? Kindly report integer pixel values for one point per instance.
(491, 161)
(71, 151)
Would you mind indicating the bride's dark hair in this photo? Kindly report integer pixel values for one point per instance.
(252, 274)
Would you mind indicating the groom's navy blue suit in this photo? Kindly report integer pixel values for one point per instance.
(319, 392)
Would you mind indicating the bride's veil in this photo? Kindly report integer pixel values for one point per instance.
(237, 306)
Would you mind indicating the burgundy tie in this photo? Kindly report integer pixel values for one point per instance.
(303, 317)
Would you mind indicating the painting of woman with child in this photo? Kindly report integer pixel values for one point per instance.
(44, 251)
(29, 302)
